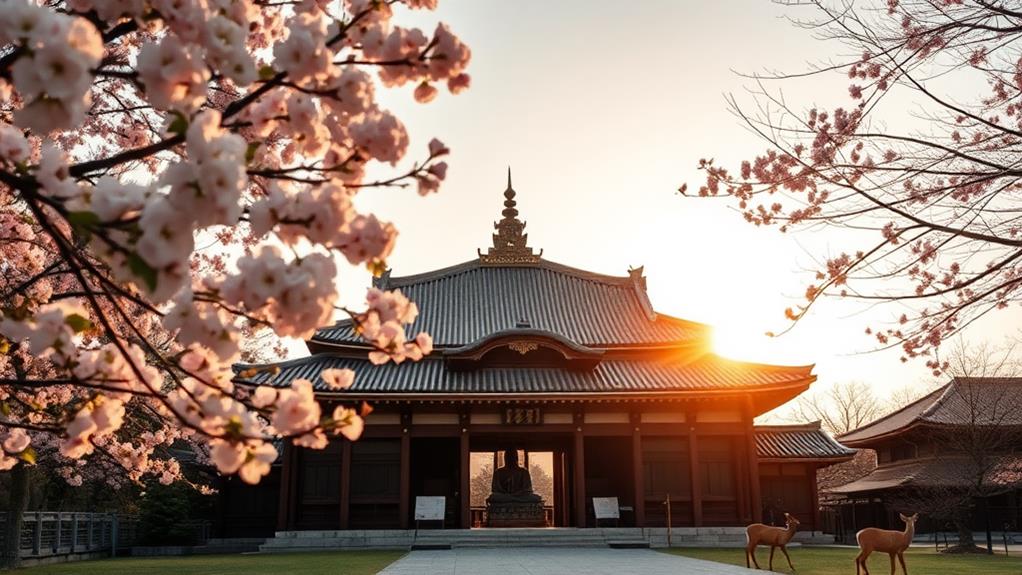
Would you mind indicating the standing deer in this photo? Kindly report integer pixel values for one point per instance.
(891, 542)
(775, 537)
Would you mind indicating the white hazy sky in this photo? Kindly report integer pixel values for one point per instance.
(602, 109)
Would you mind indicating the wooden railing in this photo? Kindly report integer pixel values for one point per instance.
(49, 533)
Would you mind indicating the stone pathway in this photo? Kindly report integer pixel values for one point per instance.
(554, 561)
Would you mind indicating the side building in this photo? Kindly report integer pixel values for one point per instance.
(961, 440)
(574, 371)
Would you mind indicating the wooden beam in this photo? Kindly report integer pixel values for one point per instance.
(638, 481)
(695, 482)
(465, 487)
(580, 474)
(345, 484)
(755, 498)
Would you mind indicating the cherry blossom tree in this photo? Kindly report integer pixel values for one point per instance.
(917, 163)
(130, 129)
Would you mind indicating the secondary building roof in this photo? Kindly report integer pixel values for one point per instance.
(793, 442)
(948, 471)
(962, 401)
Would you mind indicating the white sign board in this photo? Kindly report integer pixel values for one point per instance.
(430, 508)
(606, 508)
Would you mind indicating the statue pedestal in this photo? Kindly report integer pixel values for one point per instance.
(513, 514)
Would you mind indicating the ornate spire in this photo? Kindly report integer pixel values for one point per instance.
(510, 243)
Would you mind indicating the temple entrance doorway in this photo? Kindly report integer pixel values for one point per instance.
(547, 464)
(434, 472)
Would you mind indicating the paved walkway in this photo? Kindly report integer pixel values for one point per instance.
(554, 561)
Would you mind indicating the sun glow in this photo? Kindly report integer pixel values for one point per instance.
(745, 343)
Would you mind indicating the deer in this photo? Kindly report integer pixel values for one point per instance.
(887, 541)
(775, 537)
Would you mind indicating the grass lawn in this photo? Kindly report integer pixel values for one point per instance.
(834, 561)
(329, 563)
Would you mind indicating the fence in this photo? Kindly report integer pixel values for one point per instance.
(51, 533)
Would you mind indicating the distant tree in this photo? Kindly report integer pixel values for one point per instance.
(542, 483)
(480, 485)
(915, 162)
(841, 408)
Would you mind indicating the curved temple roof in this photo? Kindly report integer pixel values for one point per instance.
(792, 442)
(631, 377)
(510, 324)
(467, 302)
(980, 400)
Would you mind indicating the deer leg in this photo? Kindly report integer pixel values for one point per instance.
(892, 563)
(860, 560)
(772, 557)
(751, 552)
(785, 551)
(901, 559)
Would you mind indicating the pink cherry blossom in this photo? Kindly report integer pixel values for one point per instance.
(337, 379)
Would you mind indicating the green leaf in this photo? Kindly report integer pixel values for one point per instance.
(267, 72)
(28, 456)
(142, 270)
(78, 323)
(83, 222)
(179, 125)
(250, 151)
(4, 408)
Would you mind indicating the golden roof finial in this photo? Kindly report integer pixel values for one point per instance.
(510, 243)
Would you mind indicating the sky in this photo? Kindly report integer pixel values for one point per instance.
(602, 110)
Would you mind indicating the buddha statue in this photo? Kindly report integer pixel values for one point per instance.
(512, 482)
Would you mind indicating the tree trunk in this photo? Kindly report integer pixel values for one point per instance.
(965, 539)
(17, 503)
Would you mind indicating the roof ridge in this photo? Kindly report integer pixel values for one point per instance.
(893, 413)
(470, 265)
(808, 426)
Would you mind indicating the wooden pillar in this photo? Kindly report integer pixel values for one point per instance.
(580, 474)
(639, 487)
(346, 484)
(755, 498)
(814, 490)
(464, 479)
(693, 464)
(560, 502)
(406, 470)
(741, 487)
(285, 510)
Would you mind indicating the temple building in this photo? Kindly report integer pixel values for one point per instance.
(963, 439)
(538, 365)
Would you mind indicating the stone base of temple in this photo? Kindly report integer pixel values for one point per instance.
(515, 515)
(656, 537)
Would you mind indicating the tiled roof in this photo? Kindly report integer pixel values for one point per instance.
(962, 401)
(799, 442)
(944, 472)
(467, 302)
(432, 376)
